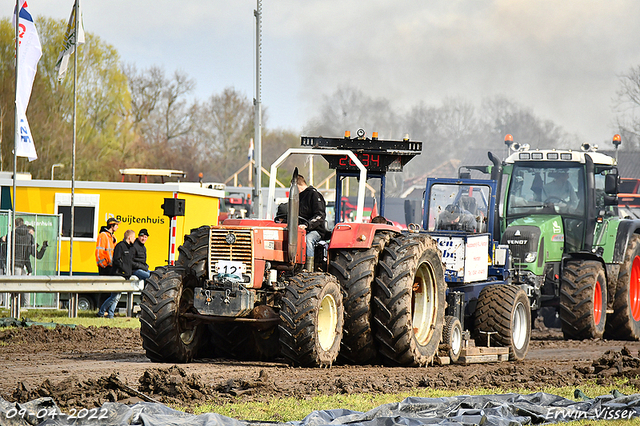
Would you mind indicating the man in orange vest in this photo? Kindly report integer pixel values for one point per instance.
(105, 245)
(104, 258)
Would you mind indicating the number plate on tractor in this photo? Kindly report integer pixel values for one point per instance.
(230, 267)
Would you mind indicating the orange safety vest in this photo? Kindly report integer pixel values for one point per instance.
(104, 249)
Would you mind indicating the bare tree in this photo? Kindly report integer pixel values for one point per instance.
(349, 108)
(627, 105)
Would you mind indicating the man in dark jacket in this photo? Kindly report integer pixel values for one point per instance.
(313, 210)
(122, 266)
(140, 267)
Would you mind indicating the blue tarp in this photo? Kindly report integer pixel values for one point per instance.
(490, 410)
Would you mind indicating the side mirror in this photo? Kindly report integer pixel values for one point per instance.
(611, 184)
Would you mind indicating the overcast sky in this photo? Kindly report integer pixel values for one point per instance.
(561, 58)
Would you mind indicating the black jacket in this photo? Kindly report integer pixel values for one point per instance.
(139, 256)
(122, 259)
(312, 208)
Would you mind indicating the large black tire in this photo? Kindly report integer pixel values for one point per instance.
(504, 309)
(624, 322)
(452, 338)
(583, 300)
(355, 270)
(193, 253)
(311, 320)
(166, 335)
(409, 300)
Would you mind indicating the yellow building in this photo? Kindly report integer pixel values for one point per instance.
(136, 205)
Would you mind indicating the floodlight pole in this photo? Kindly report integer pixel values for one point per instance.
(257, 167)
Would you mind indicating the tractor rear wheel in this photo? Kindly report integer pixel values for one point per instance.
(355, 270)
(409, 300)
(452, 338)
(583, 300)
(166, 335)
(504, 309)
(311, 320)
(624, 323)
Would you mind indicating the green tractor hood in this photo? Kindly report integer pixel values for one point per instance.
(535, 240)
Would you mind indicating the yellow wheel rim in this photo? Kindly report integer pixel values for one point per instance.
(423, 304)
(327, 321)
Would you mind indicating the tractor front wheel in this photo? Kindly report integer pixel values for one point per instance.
(311, 320)
(583, 300)
(166, 335)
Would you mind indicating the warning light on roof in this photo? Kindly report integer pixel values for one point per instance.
(374, 135)
(347, 134)
(508, 139)
(617, 140)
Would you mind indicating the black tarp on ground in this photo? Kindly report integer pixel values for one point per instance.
(489, 410)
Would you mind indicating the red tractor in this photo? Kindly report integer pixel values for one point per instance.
(240, 289)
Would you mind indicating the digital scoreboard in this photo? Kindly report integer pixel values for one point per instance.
(375, 154)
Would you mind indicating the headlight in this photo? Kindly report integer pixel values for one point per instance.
(530, 257)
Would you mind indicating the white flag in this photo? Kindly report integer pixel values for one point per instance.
(69, 45)
(25, 146)
(29, 53)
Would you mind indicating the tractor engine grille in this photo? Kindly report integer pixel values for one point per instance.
(239, 250)
(521, 240)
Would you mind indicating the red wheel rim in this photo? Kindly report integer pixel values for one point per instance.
(597, 303)
(634, 289)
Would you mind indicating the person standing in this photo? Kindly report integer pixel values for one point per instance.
(122, 267)
(313, 210)
(105, 245)
(140, 266)
(104, 255)
(34, 249)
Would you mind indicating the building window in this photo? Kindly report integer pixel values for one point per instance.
(85, 217)
(84, 221)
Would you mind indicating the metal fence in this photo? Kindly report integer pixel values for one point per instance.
(37, 247)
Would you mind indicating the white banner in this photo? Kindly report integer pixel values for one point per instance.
(25, 146)
(69, 44)
(29, 53)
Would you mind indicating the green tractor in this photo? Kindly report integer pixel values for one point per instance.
(579, 258)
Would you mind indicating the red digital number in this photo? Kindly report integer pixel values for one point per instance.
(365, 159)
(343, 161)
(375, 159)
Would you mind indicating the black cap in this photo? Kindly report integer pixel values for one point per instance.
(144, 232)
(112, 220)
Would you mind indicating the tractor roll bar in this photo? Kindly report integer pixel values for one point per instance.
(309, 151)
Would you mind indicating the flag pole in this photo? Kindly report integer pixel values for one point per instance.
(15, 144)
(76, 6)
(15, 297)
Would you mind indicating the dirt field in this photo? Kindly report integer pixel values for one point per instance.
(86, 367)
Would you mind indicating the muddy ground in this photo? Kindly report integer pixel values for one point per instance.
(86, 367)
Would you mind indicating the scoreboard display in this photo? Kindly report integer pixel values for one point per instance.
(376, 155)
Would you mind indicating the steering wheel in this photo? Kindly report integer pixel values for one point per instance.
(552, 198)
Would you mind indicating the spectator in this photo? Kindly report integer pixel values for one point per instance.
(34, 249)
(24, 247)
(105, 245)
(122, 265)
(140, 267)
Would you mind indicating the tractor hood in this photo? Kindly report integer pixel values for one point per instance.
(535, 240)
